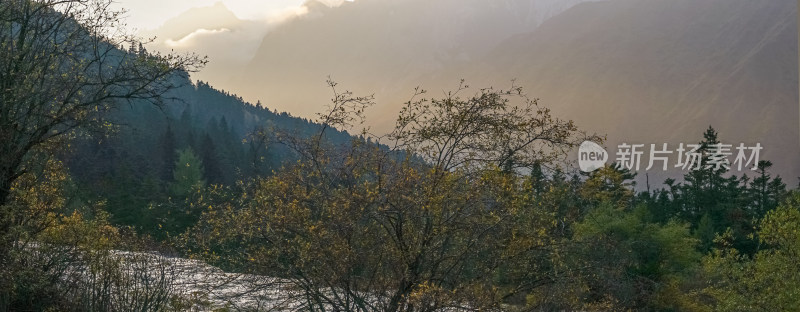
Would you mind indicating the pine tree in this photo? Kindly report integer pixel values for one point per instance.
(766, 192)
(703, 185)
(211, 161)
(759, 186)
(187, 128)
(142, 50)
(538, 180)
(188, 174)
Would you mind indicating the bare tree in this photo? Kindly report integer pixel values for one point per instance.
(492, 127)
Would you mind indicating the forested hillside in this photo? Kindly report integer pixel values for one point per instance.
(224, 138)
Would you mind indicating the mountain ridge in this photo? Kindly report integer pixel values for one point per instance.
(677, 65)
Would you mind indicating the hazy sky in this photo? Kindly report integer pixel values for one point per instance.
(149, 14)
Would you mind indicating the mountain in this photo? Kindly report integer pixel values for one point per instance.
(655, 71)
(213, 31)
(381, 46)
(664, 70)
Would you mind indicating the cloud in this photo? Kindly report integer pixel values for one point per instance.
(284, 15)
(197, 34)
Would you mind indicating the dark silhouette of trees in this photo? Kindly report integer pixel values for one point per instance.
(62, 68)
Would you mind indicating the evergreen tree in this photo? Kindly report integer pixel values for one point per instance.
(704, 187)
(538, 180)
(759, 185)
(705, 233)
(211, 161)
(188, 174)
(766, 192)
(714, 202)
(777, 193)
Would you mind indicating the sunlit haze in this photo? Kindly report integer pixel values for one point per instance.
(150, 14)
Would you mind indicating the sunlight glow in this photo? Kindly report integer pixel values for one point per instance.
(188, 38)
(150, 14)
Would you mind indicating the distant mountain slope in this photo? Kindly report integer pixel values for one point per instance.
(381, 46)
(213, 31)
(664, 70)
